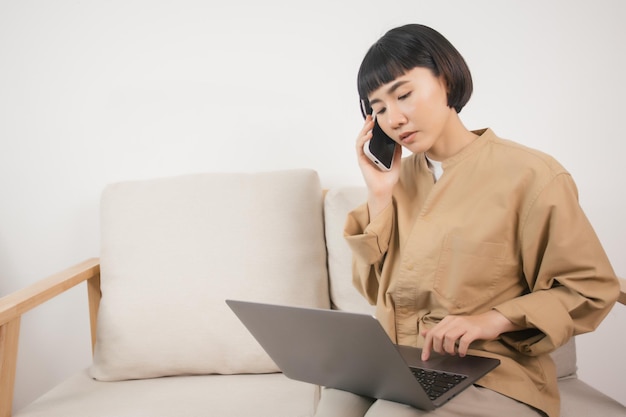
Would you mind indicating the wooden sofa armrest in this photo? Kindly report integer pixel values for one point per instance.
(14, 305)
(622, 293)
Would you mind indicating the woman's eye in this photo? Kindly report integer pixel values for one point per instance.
(380, 111)
(402, 97)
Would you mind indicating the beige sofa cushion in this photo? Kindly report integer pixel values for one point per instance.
(271, 395)
(581, 400)
(174, 249)
(337, 204)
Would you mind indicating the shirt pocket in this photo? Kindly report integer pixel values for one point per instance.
(468, 272)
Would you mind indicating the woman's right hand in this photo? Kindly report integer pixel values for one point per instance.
(379, 183)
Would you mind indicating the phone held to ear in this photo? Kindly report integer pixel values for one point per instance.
(380, 149)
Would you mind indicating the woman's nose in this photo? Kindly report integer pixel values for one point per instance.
(395, 118)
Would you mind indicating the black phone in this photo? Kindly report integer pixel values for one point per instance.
(380, 149)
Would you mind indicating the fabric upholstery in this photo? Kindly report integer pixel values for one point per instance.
(271, 395)
(581, 400)
(174, 249)
(337, 204)
(565, 359)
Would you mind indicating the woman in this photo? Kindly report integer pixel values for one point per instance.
(473, 244)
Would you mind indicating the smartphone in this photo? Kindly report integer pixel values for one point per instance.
(380, 149)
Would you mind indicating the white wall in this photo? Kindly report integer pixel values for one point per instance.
(93, 92)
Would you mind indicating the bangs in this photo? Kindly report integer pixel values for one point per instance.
(382, 65)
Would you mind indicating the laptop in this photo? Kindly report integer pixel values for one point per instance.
(352, 352)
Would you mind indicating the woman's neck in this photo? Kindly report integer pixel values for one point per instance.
(453, 139)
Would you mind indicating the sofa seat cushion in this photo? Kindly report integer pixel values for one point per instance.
(579, 399)
(260, 395)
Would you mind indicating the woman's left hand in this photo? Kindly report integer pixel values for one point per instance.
(454, 334)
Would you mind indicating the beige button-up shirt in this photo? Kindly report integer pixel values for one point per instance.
(501, 229)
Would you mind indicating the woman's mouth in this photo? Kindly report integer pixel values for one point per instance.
(407, 137)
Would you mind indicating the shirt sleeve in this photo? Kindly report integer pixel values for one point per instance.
(572, 284)
(369, 242)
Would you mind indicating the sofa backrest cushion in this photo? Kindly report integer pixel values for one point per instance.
(338, 203)
(174, 249)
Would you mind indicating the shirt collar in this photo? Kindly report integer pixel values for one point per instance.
(484, 137)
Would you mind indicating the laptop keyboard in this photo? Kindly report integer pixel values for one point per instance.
(436, 383)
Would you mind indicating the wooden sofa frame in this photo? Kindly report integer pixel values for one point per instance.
(14, 305)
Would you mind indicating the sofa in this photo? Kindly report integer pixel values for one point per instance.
(172, 251)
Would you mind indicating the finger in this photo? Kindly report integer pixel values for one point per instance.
(436, 340)
(449, 345)
(427, 345)
(368, 125)
(464, 344)
(452, 339)
(438, 343)
(367, 128)
(360, 143)
(432, 339)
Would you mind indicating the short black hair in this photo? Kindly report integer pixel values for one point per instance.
(410, 46)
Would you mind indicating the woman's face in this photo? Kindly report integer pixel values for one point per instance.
(413, 109)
